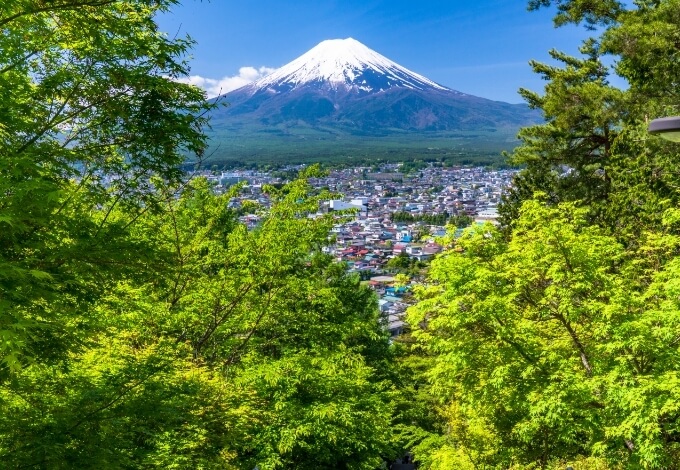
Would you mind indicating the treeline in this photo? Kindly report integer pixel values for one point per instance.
(412, 159)
(431, 219)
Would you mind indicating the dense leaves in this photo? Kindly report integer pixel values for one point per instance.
(242, 348)
(553, 340)
(88, 115)
(142, 325)
(545, 350)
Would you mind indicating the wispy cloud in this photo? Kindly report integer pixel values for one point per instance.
(217, 86)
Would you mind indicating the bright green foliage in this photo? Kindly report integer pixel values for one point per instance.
(141, 324)
(119, 406)
(316, 410)
(298, 337)
(85, 95)
(244, 348)
(553, 341)
(547, 347)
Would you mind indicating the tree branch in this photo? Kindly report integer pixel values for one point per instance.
(52, 8)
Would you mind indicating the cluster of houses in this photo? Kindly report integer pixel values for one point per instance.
(377, 231)
(433, 190)
(393, 303)
(382, 191)
(391, 215)
(367, 244)
(372, 237)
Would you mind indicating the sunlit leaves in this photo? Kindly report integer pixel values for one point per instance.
(88, 116)
(554, 339)
(141, 324)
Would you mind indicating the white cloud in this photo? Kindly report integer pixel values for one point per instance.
(215, 87)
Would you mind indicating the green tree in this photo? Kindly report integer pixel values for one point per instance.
(120, 404)
(403, 216)
(298, 336)
(461, 221)
(570, 156)
(246, 347)
(90, 115)
(142, 324)
(582, 11)
(401, 262)
(594, 147)
(554, 341)
(553, 347)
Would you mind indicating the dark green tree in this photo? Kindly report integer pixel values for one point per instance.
(570, 156)
(594, 147)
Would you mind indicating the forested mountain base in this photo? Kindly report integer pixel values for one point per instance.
(271, 149)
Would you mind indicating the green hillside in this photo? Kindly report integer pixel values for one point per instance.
(305, 144)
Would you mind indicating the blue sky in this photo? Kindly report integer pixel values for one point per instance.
(480, 47)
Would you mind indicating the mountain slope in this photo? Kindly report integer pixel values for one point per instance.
(342, 88)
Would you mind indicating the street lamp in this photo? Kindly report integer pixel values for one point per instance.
(668, 128)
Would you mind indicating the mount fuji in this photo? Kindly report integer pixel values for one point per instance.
(342, 91)
(343, 64)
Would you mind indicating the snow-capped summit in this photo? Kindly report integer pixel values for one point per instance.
(342, 88)
(343, 64)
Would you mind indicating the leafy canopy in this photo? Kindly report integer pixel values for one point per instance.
(141, 323)
(553, 340)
